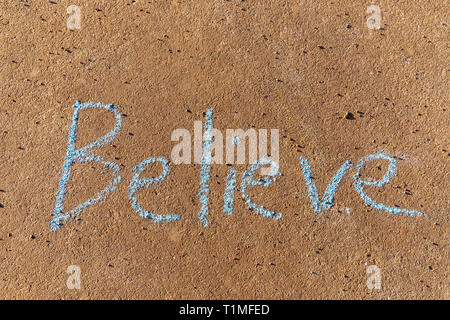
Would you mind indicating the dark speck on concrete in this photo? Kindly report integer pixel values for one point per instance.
(350, 116)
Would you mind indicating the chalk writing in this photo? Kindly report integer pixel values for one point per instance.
(247, 179)
(328, 197)
(205, 173)
(84, 155)
(318, 204)
(229, 191)
(392, 170)
(137, 184)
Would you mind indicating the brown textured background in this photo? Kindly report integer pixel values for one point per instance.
(299, 66)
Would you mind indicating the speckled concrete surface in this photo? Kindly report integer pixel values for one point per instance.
(335, 89)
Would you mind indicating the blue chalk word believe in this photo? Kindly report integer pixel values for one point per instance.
(319, 204)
